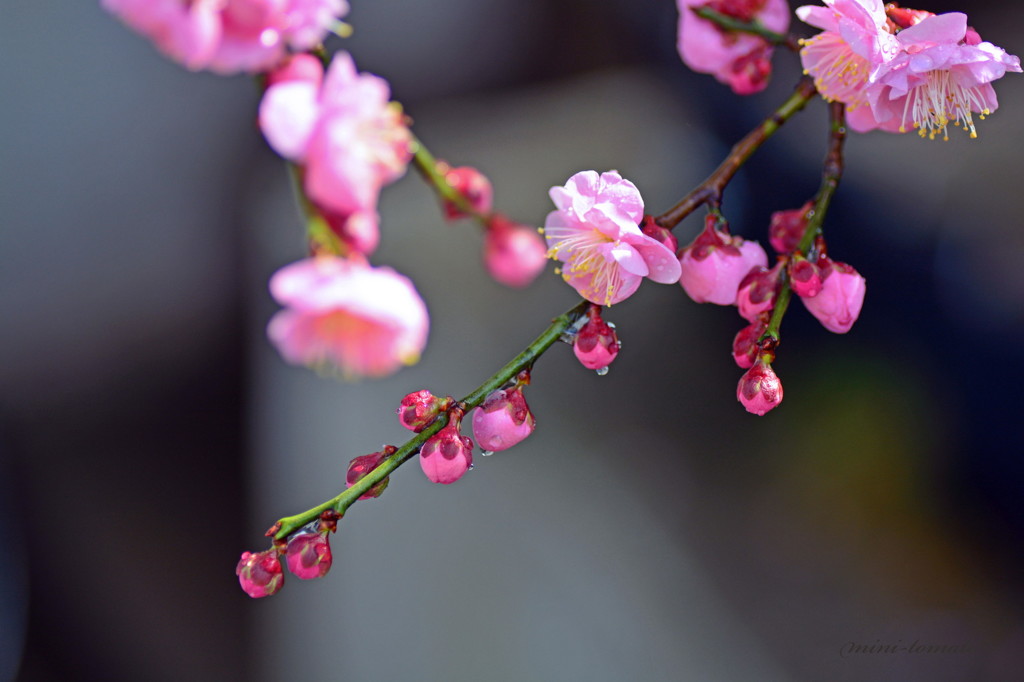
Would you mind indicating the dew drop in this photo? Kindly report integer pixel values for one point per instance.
(487, 453)
(471, 467)
(601, 372)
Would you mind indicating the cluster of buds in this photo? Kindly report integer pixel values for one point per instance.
(727, 270)
(307, 553)
(513, 254)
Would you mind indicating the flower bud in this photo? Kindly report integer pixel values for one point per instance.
(757, 292)
(759, 390)
(471, 184)
(420, 408)
(838, 304)
(514, 254)
(502, 420)
(662, 234)
(786, 228)
(260, 573)
(804, 278)
(596, 344)
(447, 455)
(745, 347)
(309, 555)
(359, 467)
(299, 67)
(715, 263)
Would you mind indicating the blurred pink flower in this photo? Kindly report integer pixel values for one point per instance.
(595, 233)
(837, 305)
(345, 315)
(740, 60)
(514, 254)
(230, 36)
(715, 263)
(472, 184)
(349, 138)
(941, 75)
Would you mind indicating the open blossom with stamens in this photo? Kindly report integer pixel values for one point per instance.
(941, 76)
(346, 315)
(345, 133)
(595, 232)
(230, 36)
(740, 60)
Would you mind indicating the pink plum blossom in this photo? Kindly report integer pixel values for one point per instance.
(309, 555)
(471, 184)
(595, 233)
(419, 408)
(715, 263)
(259, 573)
(346, 315)
(745, 346)
(837, 305)
(757, 292)
(596, 344)
(502, 420)
(514, 254)
(855, 40)
(447, 455)
(938, 78)
(230, 36)
(804, 277)
(759, 390)
(740, 60)
(348, 137)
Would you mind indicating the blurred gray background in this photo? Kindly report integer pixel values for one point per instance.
(649, 530)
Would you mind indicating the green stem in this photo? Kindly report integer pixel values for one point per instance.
(426, 164)
(523, 360)
(711, 189)
(832, 171)
(752, 27)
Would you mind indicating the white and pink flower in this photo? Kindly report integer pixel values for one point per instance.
(230, 36)
(595, 232)
(347, 316)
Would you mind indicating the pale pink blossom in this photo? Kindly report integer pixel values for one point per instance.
(740, 60)
(348, 137)
(855, 40)
(260, 573)
(447, 455)
(759, 390)
(940, 77)
(595, 232)
(715, 263)
(346, 315)
(514, 254)
(837, 305)
(230, 36)
(502, 420)
(309, 555)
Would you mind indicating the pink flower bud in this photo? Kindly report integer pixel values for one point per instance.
(715, 263)
(420, 408)
(470, 183)
(447, 455)
(804, 278)
(759, 390)
(309, 555)
(662, 234)
(745, 347)
(757, 292)
(359, 467)
(513, 254)
(838, 304)
(260, 574)
(359, 230)
(596, 344)
(502, 420)
(787, 228)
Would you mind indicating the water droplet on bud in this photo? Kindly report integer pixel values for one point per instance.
(471, 467)
(601, 372)
(487, 453)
